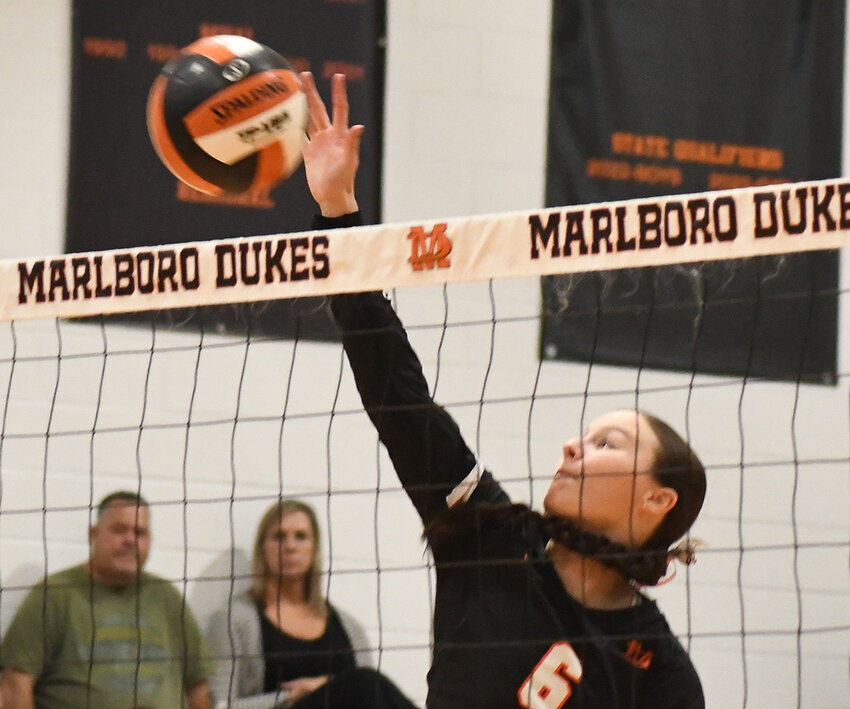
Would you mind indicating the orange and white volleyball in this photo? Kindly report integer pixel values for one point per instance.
(227, 116)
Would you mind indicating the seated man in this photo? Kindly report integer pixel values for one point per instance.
(105, 633)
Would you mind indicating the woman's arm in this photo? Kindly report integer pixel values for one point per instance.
(424, 443)
(235, 642)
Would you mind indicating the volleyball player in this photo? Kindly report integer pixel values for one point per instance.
(531, 610)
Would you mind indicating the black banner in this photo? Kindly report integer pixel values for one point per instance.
(119, 193)
(666, 96)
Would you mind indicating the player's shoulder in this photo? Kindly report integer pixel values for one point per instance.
(676, 683)
(672, 676)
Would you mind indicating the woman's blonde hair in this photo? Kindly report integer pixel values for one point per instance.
(259, 568)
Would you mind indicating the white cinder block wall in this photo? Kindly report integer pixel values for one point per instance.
(465, 133)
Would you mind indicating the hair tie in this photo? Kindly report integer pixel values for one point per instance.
(685, 552)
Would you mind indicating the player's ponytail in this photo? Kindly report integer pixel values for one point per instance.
(644, 566)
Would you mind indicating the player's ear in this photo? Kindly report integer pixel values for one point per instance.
(660, 500)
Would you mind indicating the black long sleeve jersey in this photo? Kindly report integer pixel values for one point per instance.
(506, 632)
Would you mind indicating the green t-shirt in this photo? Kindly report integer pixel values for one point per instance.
(94, 647)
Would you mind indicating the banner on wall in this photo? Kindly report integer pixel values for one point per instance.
(120, 195)
(667, 97)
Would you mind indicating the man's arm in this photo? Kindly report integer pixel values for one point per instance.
(16, 689)
(197, 696)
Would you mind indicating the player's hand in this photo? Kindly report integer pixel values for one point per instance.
(332, 148)
(301, 687)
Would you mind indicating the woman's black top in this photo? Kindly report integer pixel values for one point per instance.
(289, 658)
(506, 632)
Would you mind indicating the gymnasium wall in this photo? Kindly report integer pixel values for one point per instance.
(464, 133)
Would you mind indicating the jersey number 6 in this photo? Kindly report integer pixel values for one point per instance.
(551, 683)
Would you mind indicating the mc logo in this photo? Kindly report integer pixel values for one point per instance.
(430, 249)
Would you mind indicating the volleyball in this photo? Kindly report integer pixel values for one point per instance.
(227, 116)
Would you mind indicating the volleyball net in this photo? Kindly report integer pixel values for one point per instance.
(212, 428)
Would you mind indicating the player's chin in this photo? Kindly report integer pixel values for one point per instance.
(558, 502)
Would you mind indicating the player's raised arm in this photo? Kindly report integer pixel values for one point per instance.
(424, 443)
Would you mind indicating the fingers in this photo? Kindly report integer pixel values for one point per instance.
(317, 113)
(318, 118)
(354, 136)
(339, 98)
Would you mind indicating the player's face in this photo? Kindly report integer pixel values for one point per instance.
(290, 546)
(120, 543)
(605, 476)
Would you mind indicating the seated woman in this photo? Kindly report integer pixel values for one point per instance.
(282, 644)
